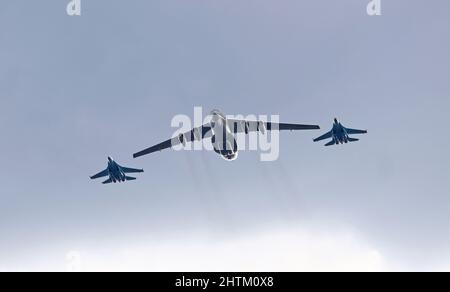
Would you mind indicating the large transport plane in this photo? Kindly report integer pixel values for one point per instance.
(222, 132)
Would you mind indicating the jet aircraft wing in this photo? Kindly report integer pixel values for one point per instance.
(355, 131)
(325, 136)
(101, 174)
(131, 170)
(239, 126)
(198, 133)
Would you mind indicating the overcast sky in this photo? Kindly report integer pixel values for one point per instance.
(74, 90)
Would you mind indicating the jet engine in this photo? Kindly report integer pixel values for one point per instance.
(182, 139)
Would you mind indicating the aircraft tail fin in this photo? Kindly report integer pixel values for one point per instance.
(129, 178)
(352, 139)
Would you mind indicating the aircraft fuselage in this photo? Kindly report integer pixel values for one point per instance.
(115, 172)
(223, 139)
(339, 133)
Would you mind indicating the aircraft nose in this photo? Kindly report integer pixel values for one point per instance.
(336, 120)
(110, 159)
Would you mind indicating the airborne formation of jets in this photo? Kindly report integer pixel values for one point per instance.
(222, 132)
(340, 134)
(116, 173)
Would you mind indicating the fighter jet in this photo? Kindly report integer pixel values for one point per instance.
(222, 132)
(116, 172)
(340, 134)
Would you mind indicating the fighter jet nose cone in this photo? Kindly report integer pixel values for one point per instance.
(110, 159)
(336, 120)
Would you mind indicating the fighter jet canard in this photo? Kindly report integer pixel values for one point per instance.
(222, 132)
(340, 134)
(116, 172)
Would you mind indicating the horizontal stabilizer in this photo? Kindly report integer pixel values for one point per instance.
(108, 181)
(352, 139)
(130, 178)
(331, 143)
